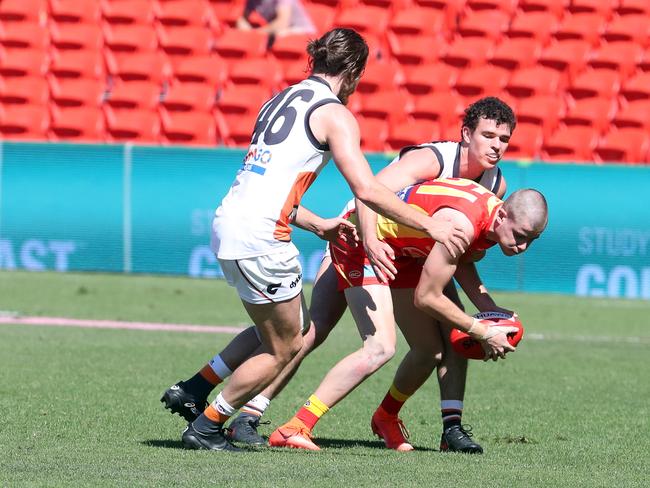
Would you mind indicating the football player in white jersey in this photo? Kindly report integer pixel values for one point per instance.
(295, 135)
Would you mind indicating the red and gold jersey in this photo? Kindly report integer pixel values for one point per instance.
(473, 200)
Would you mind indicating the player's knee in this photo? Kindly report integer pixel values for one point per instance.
(425, 359)
(379, 354)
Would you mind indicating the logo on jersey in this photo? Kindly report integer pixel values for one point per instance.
(272, 289)
(256, 160)
(354, 274)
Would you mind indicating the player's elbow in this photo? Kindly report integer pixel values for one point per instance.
(365, 192)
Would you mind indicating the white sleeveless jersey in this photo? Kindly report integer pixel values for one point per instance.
(283, 160)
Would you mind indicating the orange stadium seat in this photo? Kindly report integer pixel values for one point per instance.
(77, 64)
(603, 9)
(586, 26)
(515, 53)
(468, 51)
(132, 125)
(526, 141)
(633, 115)
(23, 122)
(507, 6)
(261, 72)
(481, 81)
(133, 12)
(590, 112)
(23, 35)
(624, 145)
(294, 72)
(567, 57)
(411, 132)
(143, 66)
(363, 19)
(75, 92)
(201, 69)
(633, 28)
(183, 13)
(637, 87)
(77, 123)
(430, 78)
(75, 11)
(234, 44)
(417, 22)
(556, 7)
(141, 95)
(227, 12)
(185, 41)
(543, 111)
(569, 144)
(537, 25)
(67, 35)
(242, 99)
(380, 76)
(451, 132)
(26, 90)
(443, 107)
(189, 128)
(235, 129)
(622, 57)
(130, 37)
(627, 7)
(412, 51)
(381, 105)
(373, 133)
(591, 83)
(291, 48)
(484, 23)
(536, 80)
(24, 11)
(23, 62)
(189, 97)
(394, 4)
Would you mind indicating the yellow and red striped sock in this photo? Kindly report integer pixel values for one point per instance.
(394, 400)
(311, 412)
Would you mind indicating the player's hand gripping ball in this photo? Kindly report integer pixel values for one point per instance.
(470, 348)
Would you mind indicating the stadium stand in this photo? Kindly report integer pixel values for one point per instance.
(178, 71)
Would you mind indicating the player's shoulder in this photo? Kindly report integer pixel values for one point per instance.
(458, 217)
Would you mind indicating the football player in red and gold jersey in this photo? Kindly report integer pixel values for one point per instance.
(421, 264)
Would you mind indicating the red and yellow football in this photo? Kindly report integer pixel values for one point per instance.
(470, 348)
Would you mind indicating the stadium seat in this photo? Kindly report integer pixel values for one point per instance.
(468, 51)
(381, 105)
(321, 15)
(622, 57)
(413, 51)
(556, 7)
(76, 92)
(516, 53)
(75, 11)
(132, 125)
(381, 76)
(26, 90)
(585, 26)
(525, 142)
(484, 23)
(130, 38)
(410, 132)
(590, 112)
(537, 25)
(134, 12)
(644, 63)
(234, 44)
(261, 72)
(430, 78)
(34, 11)
(633, 115)
(68, 35)
(363, 19)
(189, 128)
(242, 99)
(77, 64)
(373, 133)
(591, 83)
(227, 12)
(291, 48)
(637, 87)
(536, 80)
(396, 5)
(235, 129)
(632, 7)
(443, 107)
(77, 124)
(633, 28)
(23, 62)
(293, 73)
(417, 22)
(183, 13)
(185, 41)
(28, 122)
(451, 132)
(189, 97)
(571, 144)
(481, 80)
(603, 9)
(201, 69)
(567, 57)
(507, 6)
(30, 35)
(142, 66)
(623, 145)
(141, 95)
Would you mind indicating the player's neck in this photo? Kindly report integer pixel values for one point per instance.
(468, 169)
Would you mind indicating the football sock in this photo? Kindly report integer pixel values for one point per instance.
(393, 401)
(256, 406)
(213, 418)
(311, 412)
(213, 373)
(452, 413)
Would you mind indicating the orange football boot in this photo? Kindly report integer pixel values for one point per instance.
(293, 434)
(391, 429)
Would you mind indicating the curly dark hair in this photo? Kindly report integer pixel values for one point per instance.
(489, 108)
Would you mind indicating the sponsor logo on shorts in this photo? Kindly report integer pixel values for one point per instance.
(295, 282)
(272, 289)
(354, 274)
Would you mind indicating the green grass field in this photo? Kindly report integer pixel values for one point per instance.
(80, 407)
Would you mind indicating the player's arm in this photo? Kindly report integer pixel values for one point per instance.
(334, 124)
(326, 229)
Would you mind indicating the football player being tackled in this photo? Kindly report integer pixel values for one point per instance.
(424, 269)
